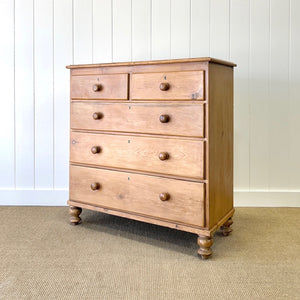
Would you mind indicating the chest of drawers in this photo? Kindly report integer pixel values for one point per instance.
(153, 141)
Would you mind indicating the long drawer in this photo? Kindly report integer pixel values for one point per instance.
(187, 85)
(180, 157)
(171, 199)
(113, 86)
(168, 119)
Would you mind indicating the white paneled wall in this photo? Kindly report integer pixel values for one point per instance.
(40, 37)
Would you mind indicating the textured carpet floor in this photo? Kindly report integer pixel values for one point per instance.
(106, 257)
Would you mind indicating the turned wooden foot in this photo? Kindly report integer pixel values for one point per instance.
(74, 213)
(225, 228)
(204, 242)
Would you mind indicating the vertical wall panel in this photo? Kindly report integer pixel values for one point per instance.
(62, 57)
(180, 28)
(279, 94)
(141, 29)
(83, 31)
(259, 94)
(219, 29)
(40, 37)
(161, 38)
(294, 112)
(24, 93)
(200, 28)
(239, 45)
(102, 31)
(43, 63)
(122, 30)
(7, 126)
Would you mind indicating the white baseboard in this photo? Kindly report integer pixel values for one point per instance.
(280, 198)
(59, 197)
(31, 197)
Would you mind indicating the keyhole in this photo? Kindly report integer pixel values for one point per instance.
(165, 77)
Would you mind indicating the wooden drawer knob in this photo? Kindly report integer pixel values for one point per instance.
(95, 186)
(97, 115)
(95, 149)
(164, 86)
(163, 155)
(164, 196)
(164, 118)
(97, 87)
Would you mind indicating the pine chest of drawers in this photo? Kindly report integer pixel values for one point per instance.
(153, 141)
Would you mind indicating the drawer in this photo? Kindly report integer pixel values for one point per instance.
(114, 86)
(171, 199)
(187, 85)
(159, 155)
(182, 119)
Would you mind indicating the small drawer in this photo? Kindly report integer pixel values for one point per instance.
(171, 199)
(166, 119)
(187, 85)
(150, 154)
(114, 86)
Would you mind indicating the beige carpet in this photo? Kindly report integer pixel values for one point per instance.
(107, 257)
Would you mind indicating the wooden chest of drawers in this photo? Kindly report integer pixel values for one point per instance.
(153, 141)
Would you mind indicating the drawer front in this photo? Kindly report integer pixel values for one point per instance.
(188, 85)
(114, 86)
(159, 155)
(171, 199)
(183, 119)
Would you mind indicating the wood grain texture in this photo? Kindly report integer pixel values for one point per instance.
(152, 173)
(185, 120)
(139, 193)
(74, 213)
(187, 85)
(204, 243)
(154, 62)
(143, 218)
(186, 157)
(111, 87)
(220, 143)
(141, 68)
(225, 228)
(79, 22)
